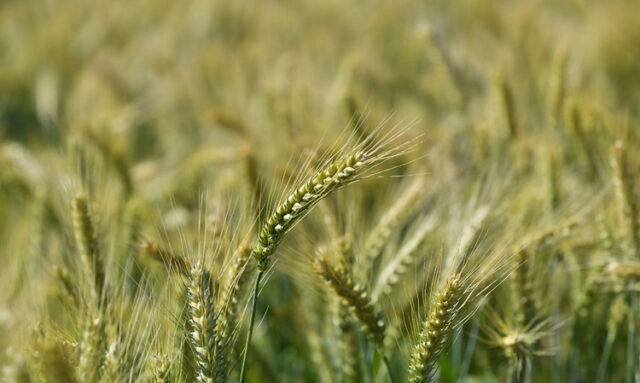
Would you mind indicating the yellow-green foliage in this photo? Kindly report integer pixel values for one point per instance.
(425, 191)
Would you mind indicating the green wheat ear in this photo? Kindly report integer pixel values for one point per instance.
(628, 208)
(161, 369)
(298, 203)
(202, 322)
(354, 296)
(86, 242)
(436, 330)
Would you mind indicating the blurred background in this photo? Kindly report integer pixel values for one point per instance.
(146, 105)
(126, 68)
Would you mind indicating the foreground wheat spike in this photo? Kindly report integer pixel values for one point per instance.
(338, 173)
(435, 331)
(625, 193)
(354, 296)
(202, 322)
(86, 241)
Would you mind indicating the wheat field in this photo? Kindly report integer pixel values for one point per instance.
(319, 191)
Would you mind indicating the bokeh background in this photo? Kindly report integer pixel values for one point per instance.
(155, 108)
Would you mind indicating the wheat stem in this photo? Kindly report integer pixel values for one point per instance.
(388, 366)
(252, 319)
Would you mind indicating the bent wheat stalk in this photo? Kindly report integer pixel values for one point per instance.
(338, 172)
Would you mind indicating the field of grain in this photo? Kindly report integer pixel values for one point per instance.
(319, 191)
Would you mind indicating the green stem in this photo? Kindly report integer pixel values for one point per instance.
(251, 322)
(388, 365)
(608, 345)
(631, 343)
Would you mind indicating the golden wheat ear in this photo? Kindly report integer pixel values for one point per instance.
(85, 236)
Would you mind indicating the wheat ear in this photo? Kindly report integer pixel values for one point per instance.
(67, 284)
(435, 331)
(202, 322)
(524, 289)
(298, 203)
(339, 172)
(86, 242)
(575, 123)
(110, 369)
(354, 296)
(358, 301)
(625, 192)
